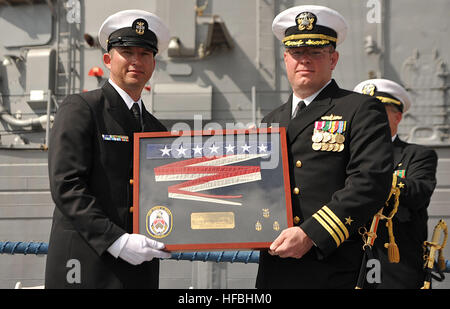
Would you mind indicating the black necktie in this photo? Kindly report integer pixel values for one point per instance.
(136, 111)
(300, 106)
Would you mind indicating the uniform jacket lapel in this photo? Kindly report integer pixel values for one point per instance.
(147, 123)
(398, 151)
(286, 113)
(321, 104)
(403, 213)
(150, 123)
(118, 109)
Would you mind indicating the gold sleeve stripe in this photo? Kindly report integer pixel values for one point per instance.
(329, 229)
(332, 224)
(337, 220)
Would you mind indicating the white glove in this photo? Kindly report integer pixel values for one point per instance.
(138, 249)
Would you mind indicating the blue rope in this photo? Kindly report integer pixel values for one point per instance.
(19, 247)
(26, 248)
(41, 248)
(249, 257)
(234, 256)
(2, 248)
(218, 256)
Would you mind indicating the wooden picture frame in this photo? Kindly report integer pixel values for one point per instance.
(212, 190)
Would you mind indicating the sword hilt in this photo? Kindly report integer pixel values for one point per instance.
(434, 246)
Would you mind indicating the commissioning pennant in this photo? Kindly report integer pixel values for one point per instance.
(206, 174)
(214, 167)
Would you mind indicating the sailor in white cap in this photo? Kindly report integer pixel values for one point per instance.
(415, 166)
(134, 28)
(396, 99)
(310, 25)
(340, 158)
(91, 164)
(137, 36)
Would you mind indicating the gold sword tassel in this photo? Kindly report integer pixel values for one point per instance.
(393, 252)
(370, 236)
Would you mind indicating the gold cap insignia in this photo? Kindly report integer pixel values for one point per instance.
(306, 21)
(140, 25)
(369, 89)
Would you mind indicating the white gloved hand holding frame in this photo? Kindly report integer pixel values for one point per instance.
(136, 249)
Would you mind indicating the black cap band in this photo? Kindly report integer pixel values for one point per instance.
(318, 36)
(130, 37)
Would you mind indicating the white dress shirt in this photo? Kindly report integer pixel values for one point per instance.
(126, 97)
(308, 100)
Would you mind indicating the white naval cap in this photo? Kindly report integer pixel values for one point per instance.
(310, 25)
(387, 92)
(134, 28)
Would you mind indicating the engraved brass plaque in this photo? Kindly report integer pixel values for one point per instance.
(212, 220)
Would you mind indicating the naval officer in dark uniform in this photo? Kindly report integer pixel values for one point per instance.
(415, 167)
(340, 159)
(90, 166)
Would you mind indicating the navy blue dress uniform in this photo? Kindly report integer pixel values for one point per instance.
(90, 167)
(340, 161)
(415, 166)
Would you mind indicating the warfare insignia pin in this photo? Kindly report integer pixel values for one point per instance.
(331, 117)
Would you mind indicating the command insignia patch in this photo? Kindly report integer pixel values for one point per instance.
(159, 222)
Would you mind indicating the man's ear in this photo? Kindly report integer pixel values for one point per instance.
(334, 59)
(399, 117)
(107, 60)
